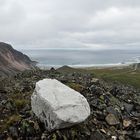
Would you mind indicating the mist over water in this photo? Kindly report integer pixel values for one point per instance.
(60, 57)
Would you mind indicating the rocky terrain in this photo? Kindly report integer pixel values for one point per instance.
(12, 61)
(115, 108)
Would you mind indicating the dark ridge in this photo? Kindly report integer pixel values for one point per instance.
(13, 61)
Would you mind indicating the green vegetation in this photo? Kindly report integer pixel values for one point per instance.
(19, 101)
(12, 119)
(75, 86)
(7, 122)
(67, 69)
(124, 76)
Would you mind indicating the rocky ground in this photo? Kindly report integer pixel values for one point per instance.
(115, 109)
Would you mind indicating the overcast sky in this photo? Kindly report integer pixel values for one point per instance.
(96, 24)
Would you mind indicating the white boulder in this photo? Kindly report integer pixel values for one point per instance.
(57, 105)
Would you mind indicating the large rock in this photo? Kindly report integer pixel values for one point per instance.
(57, 105)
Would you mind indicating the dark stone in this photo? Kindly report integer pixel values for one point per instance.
(13, 131)
(137, 108)
(52, 69)
(2, 136)
(128, 107)
(136, 114)
(27, 129)
(95, 103)
(111, 110)
(136, 135)
(97, 135)
(96, 90)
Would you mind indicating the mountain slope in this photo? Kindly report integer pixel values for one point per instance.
(12, 61)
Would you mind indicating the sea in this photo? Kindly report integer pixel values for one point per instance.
(82, 58)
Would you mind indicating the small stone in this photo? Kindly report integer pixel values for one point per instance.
(54, 137)
(121, 138)
(136, 114)
(1, 121)
(97, 135)
(111, 119)
(127, 123)
(136, 135)
(52, 69)
(36, 126)
(128, 107)
(95, 80)
(137, 107)
(9, 138)
(13, 131)
(43, 137)
(27, 128)
(113, 138)
(111, 110)
(102, 130)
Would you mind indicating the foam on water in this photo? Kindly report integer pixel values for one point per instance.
(83, 58)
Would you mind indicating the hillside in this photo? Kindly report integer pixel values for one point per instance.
(68, 69)
(115, 108)
(12, 61)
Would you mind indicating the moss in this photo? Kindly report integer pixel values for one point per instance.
(115, 101)
(9, 121)
(73, 134)
(19, 100)
(20, 103)
(102, 97)
(124, 76)
(64, 137)
(15, 95)
(75, 86)
(12, 119)
(54, 137)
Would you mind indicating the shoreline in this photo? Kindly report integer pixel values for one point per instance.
(98, 66)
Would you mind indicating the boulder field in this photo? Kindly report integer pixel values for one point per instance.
(114, 108)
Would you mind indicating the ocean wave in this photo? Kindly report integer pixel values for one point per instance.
(82, 65)
(76, 65)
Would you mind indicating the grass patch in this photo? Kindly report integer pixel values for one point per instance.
(19, 100)
(75, 86)
(9, 121)
(12, 119)
(124, 76)
(20, 103)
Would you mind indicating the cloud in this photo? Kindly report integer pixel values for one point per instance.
(85, 24)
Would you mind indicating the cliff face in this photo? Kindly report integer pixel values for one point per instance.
(12, 61)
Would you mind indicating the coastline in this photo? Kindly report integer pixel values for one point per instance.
(89, 67)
